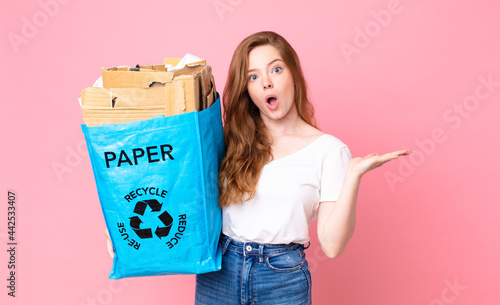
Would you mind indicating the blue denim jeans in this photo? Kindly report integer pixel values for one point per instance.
(255, 273)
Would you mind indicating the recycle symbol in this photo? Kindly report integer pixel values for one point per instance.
(140, 208)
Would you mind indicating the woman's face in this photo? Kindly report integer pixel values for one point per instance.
(270, 85)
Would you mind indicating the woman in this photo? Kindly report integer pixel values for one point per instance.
(279, 173)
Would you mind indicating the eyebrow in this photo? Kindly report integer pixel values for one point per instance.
(272, 61)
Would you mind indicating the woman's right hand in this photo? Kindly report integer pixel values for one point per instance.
(111, 251)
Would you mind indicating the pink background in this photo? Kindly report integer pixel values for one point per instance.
(428, 225)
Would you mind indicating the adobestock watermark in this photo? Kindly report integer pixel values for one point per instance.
(314, 257)
(31, 26)
(450, 293)
(455, 116)
(74, 157)
(222, 7)
(106, 295)
(363, 36)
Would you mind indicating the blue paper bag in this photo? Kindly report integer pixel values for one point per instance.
(157, 182)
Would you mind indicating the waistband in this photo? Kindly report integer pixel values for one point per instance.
(251, 248)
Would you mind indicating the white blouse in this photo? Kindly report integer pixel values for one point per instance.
(288, 194)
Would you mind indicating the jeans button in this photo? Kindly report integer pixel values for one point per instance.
(249, 248)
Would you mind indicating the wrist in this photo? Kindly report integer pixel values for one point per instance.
(353, 174)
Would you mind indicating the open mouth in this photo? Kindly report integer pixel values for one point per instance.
(271, 100)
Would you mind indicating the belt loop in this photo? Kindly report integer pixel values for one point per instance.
(308, 244)
(261, 253)
(225, 241)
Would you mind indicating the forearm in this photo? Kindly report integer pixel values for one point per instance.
(340, 223)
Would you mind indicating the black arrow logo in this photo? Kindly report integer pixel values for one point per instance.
(162, 232)
(144, 233)
(166, 218)
(135, 222)
(154, 205)
(140, 207)
(167, 221)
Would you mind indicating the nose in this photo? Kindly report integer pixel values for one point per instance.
(267, 83)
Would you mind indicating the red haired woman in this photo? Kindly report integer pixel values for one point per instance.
(279, 173)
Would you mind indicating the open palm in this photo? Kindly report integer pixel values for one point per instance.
(362, 165)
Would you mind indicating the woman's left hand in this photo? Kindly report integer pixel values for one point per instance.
(362, 165)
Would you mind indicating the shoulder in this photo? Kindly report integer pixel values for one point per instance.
(334, 154)
(331, 142)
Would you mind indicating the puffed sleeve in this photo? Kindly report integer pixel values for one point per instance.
(333, 172)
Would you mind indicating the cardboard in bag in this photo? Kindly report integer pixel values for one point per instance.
(118, 105)
(143, 92)
(145, 76)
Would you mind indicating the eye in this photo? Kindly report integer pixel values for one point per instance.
(277, 70)
(253, 77)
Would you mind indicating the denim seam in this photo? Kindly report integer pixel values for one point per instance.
(242, 281)
(233, 250)
(252, 293)
(309, 283)
(284, 270)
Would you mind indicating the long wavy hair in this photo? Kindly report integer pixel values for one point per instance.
(248, 144)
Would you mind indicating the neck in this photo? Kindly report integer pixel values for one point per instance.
(290, 125)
